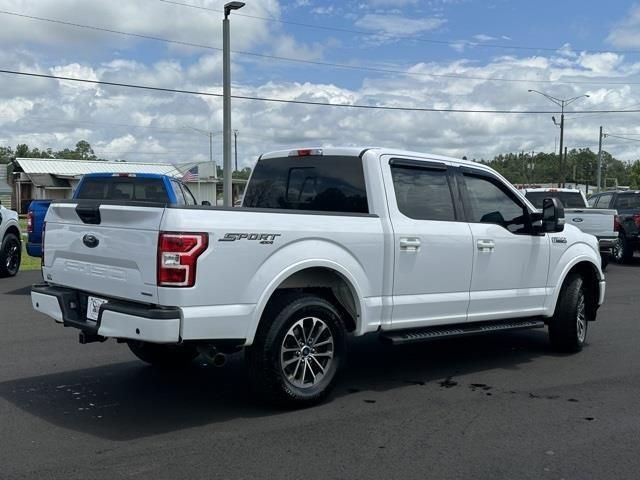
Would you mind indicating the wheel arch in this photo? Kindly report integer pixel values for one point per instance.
(591, 275)
(13, 228)
(322, 277)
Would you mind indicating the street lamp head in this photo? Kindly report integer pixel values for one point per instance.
(232, 6)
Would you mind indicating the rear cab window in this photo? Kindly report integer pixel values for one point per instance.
(311, 183)
(627, 201)
(122, 188)
(568, 199)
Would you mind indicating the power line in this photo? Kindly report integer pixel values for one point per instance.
(316, 62)
(607, 135)
(304, 102)
(452, 43)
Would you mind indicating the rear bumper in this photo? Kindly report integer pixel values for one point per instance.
(607, 244)
(116, 319)
(34, 249)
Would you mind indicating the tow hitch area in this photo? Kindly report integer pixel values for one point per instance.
(85, 337)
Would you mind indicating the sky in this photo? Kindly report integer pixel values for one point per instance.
(406, 54)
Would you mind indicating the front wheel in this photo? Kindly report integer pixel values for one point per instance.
(298, 350)
(568, 327)
(10, 255)
(160, 355)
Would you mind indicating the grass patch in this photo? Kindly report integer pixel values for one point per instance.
(27, 263)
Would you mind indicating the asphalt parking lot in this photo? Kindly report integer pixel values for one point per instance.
(501, 406)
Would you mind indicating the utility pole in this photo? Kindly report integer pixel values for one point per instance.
(226, 102)
(561, 103)
(561, 141)
(211, 153)
(235, 146)
(564, 162)
(599, 173)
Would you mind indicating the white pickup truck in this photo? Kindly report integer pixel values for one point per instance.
(600, 222)
(329, 242)
(10, 243)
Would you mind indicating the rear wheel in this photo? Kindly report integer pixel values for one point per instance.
(622, 251)
(568, 327)
(298, 351)
(160, 355)
(10, 255)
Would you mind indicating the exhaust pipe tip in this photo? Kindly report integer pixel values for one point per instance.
(219, 359)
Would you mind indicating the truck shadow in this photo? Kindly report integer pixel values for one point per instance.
(129, 400)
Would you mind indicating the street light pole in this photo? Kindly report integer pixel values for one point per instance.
(226, 102)
(235, 147)
(561, 103)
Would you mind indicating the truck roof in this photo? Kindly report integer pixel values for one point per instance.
(125, 174)
(357, 151)
(552, 189)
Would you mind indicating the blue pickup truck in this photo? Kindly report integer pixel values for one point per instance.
(139, 187)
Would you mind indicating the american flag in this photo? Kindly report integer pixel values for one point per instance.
(191, 175)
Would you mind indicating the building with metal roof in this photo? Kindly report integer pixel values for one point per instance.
(56, 178)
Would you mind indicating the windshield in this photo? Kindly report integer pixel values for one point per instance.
(568, 199)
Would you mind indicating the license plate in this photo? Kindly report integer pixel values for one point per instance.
(93, 307)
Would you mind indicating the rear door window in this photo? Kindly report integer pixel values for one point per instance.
(315, 183)
(177, 191)
(604, 200)
(423, 193)
(188, 196)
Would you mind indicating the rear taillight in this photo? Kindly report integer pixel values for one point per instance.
(30, 222)
(616, 223)
(636, 220)
(44, 230)
(177, 257)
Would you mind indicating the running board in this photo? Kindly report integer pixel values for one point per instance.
(401, 337)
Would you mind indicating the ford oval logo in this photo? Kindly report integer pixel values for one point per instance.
(577, 220)
(90, 241)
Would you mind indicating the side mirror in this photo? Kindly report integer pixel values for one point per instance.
(552, 215)
(206, 203)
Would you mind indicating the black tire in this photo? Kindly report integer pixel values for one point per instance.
(165, 356)
(284, 321)
(605, 261)
(568, 327)
(622, 251)
(10, 255)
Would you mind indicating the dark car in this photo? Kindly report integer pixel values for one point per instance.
(627, 203)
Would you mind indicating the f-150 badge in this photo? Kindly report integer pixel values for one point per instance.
(262, 238)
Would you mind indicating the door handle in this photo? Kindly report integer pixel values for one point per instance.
(410, 244)
(486, 245)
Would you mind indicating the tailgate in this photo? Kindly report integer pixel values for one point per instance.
(107, 249)
(598, 222)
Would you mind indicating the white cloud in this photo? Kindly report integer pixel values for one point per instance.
(626, 34)
(398, 25)
(481, 37)
(153, 125)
